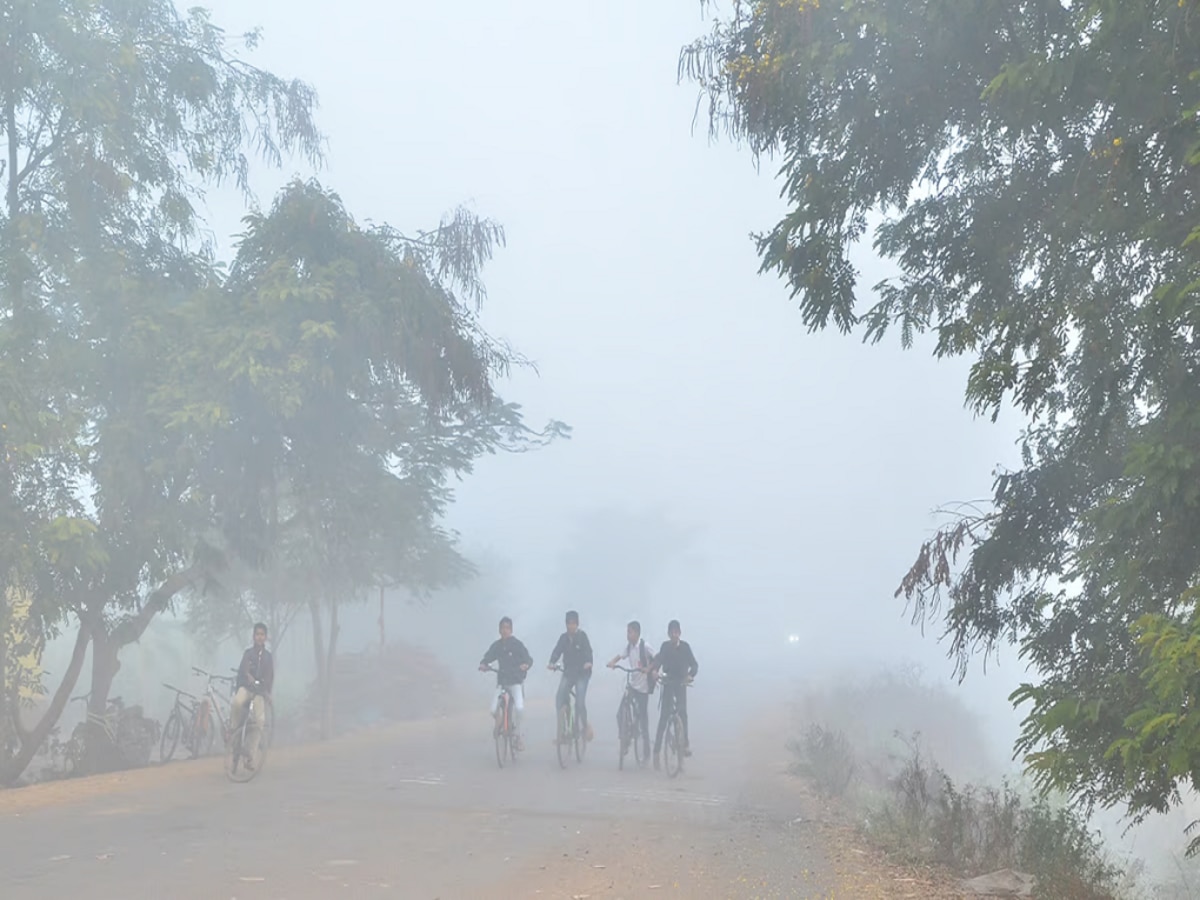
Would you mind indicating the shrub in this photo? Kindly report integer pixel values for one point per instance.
(826, 758)
(918, 813)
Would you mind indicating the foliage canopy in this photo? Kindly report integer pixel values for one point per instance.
(1030, 167)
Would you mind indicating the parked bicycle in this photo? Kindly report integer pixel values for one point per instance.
(241, 764)
(630, 727)
(504, 732)
(673, 738)
(127, 738)
(212, 714)
(569, 732)
(184, 723)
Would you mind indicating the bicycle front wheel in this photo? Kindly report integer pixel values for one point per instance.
(673, 747)
(641, 741)
(624, 731)
(269, 736)
(501, 734)
(562, 740)
(170, 736)
(247, 751)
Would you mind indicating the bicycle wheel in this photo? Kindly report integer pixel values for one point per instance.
(238, 767)
(200, 733)
(673, 747)
(501, 734)
(624, 731)
(170, 736)
(561, 743)
(269, 736)
(641, 740)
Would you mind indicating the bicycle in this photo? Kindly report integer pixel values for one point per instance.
(673, 737)
(212, 701)
(212, 704)
(240, 766)
(505, 735)
(569, 732)
(629, 724)
(181, 723)
(127, 733)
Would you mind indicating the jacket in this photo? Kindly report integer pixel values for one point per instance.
(677, 663)
(575, 650)
(257, 665)
(508, 655)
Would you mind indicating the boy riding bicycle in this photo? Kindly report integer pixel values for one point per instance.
(638, 658)
(512, 662)
(576, 652)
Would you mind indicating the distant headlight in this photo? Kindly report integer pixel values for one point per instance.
(793, 638)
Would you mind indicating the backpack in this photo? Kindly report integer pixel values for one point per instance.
(651, 678)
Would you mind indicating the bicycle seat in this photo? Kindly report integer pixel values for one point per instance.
(115, 701)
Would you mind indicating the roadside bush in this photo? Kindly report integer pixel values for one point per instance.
(920, 814)
(826, 758)
(973, 829)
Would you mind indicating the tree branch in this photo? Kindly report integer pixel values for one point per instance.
(132, 628)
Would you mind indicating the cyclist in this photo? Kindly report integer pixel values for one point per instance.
(638, 657)
(576, 652)
(512, 662)
(255, 678)
(678, 666)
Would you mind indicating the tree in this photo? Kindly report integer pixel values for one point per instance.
(1031, 169)
(350, 383)
(115, 115)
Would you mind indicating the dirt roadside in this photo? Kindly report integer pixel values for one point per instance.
(75, 790)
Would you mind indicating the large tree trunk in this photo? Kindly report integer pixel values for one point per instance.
(31, 741)
(323, 656)
(330, 669)
(9, 705)
(101, 755)
(319, 658)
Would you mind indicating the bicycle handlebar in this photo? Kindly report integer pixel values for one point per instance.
(171, 687)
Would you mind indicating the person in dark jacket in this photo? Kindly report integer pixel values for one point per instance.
(576, 652)
(512, 662)
(678, 666)
(255, 680)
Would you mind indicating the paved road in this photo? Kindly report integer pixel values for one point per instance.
(421, 811)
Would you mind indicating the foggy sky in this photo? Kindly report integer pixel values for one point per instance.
(811, 462)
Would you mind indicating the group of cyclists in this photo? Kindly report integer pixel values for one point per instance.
(673, 666)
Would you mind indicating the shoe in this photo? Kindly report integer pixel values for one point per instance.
(687, 751)
(591, 735)
(520, 744)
